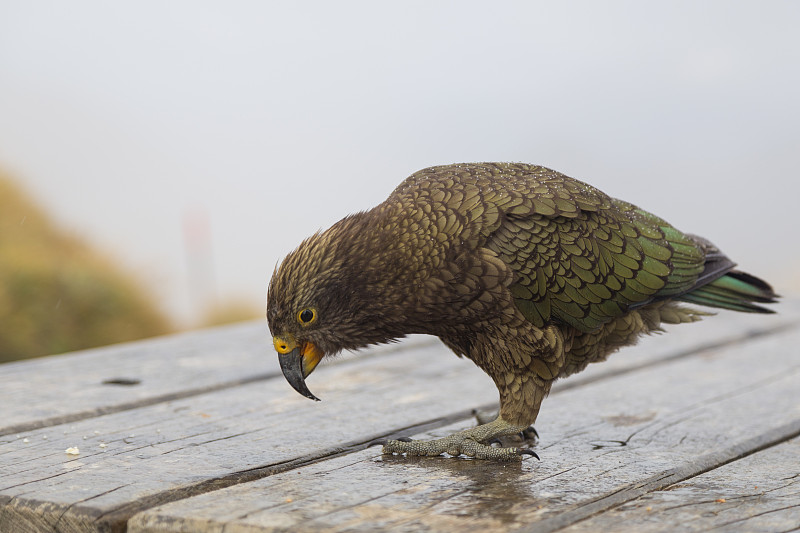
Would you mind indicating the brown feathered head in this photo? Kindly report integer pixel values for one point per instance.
(326, 296)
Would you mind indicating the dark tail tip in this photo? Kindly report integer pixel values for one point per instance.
(734, 290)
(763, 291)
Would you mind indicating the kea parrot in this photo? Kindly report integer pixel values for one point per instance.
(527, 272)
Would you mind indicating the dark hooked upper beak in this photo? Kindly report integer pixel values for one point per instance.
(297, 362)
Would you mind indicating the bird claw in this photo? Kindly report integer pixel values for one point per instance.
(527, 451)
(530, 432)
(382, 442)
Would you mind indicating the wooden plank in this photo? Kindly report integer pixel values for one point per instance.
(174, 449)
(696, 466)
(62, 389)
(52, 390)
(598, 440)
(760, 492)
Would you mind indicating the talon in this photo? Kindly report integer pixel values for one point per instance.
(377, 442)
(404, 439)
(494, 441)
(531, 430)
(527, 451)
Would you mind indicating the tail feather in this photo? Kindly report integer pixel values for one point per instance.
(734, 290)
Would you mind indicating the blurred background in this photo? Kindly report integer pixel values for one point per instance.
(158, 159)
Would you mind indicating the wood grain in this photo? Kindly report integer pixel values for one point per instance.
(197, 426)
(165, 451)
(58, 390)
(639, 429)
(760, 492)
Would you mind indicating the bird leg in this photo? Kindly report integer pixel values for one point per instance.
(470, 442)
(527, 435)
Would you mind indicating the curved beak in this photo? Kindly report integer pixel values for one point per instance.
(297, 362)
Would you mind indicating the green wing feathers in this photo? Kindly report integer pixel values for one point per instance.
(594, 258)
(592, 268)
(578, 256)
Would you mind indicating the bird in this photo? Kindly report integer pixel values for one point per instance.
(530, 274)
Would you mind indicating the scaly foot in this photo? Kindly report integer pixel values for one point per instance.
(470, 442)
(527, 436)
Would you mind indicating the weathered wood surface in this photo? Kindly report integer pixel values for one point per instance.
(211, 412)
(760, 492)
(164, 450)
(598, 441)
(53, 390)
(57, 390)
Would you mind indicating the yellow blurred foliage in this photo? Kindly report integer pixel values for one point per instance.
(231, 311)
(57, 294)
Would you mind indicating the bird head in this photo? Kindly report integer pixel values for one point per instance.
(322, 300)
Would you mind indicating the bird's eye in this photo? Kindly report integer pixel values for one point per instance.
(307, 316)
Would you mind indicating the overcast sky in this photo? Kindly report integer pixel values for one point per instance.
(265, 121)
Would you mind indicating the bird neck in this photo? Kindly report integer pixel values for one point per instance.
(379, 255)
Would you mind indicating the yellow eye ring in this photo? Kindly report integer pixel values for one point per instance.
(307, 316)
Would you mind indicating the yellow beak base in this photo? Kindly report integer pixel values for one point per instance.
(297, 362)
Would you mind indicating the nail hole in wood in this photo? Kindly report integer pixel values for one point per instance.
(128, 382)
(596, 445)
